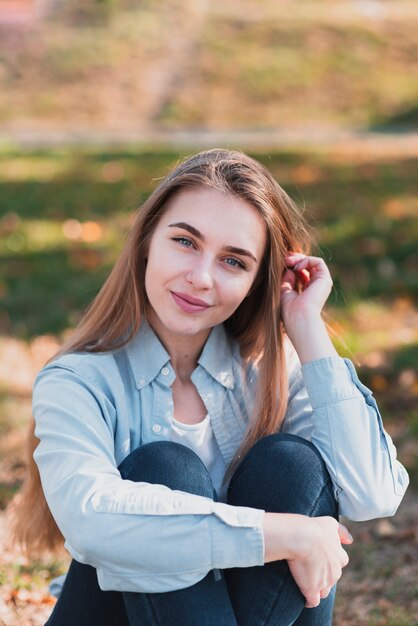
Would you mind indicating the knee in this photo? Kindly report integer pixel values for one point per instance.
(292, 456)
(170, 464)
(283, 472)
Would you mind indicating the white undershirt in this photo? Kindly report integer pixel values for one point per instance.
(200, 438)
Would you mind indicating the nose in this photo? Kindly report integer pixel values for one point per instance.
(200, 275)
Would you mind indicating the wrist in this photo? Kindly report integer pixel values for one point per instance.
(285, 536)
(309, 337)
(304, 319)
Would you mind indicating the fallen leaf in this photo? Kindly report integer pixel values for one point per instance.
(385, 529)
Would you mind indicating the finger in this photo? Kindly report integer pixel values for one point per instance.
(313, 263)
(294, 257)
(345, 536)
(303, 275)
(312, 600)
(325, 592)
(304, 259)
(346, 559)
(288, 281)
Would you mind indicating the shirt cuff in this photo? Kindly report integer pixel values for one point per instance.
(240, 541)
(329, 380)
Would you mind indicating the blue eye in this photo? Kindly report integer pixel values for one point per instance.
(184, 241)
(233, 262)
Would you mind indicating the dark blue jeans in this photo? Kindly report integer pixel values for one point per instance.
(281, 473)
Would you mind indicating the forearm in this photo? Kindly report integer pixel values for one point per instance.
(283, 536)
(310, 337)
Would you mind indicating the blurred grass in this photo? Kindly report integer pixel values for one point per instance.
(243, 64)
(295, 68)
(63, 217)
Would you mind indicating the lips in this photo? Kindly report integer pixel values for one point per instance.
(189, 304)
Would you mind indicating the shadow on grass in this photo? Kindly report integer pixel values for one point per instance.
(405, 120)
(46, 292)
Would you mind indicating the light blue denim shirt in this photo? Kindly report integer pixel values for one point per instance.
(92, 410)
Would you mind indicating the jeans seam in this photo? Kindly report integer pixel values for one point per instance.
(154, 614)
(315, 504)
(273, 606)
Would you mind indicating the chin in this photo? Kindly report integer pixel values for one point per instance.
(189, 330)
(185, 327)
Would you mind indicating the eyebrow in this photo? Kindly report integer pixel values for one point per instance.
(192, 230)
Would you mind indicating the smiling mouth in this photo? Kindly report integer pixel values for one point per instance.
(188, 303)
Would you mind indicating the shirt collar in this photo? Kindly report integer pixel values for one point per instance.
(217, 356)
(147, 356)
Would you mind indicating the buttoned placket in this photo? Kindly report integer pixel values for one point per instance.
(164, 408)
(216, 397)
(213, 379)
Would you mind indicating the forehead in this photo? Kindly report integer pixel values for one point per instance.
(217, 214)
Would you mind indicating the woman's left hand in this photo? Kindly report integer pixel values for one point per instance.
(306, 285)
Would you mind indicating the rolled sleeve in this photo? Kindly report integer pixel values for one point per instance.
(332, 408)
(328, 380)
(239, 539)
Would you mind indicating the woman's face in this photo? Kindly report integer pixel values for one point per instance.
(203, 258)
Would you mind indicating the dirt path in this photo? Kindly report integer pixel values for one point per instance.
(372, 145)
(145, 88)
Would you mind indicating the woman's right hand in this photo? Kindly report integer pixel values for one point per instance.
(312, 547)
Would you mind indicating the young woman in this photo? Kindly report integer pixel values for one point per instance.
(198, 434)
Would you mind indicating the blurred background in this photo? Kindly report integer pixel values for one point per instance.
(99, 98)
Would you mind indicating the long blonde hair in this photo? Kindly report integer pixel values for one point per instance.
(115, 314)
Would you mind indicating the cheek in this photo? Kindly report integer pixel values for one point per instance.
(236, 291)
(163, 267)
(156, 260)
(153, 274)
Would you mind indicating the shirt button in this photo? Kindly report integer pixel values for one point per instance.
(156, 428)
(142, 381)
(165, 371)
